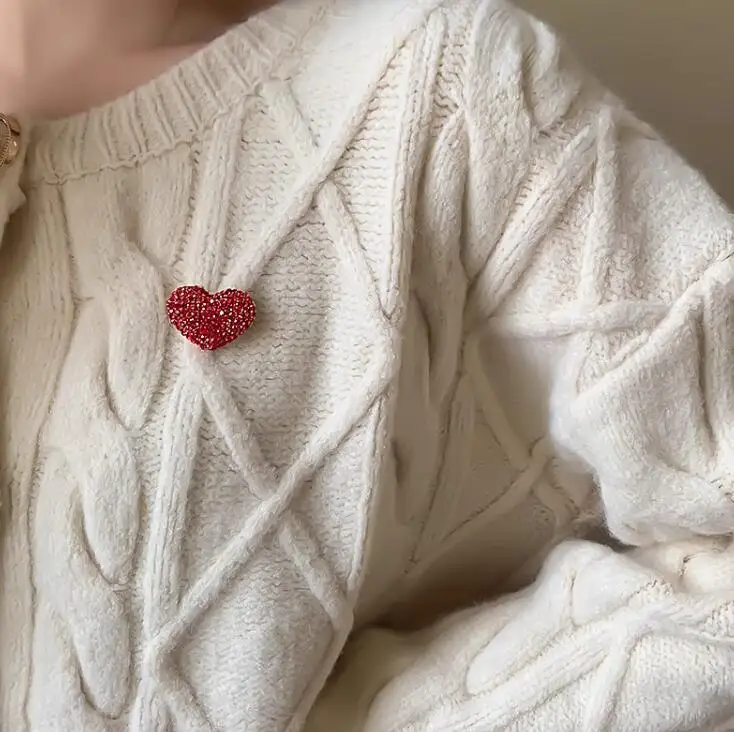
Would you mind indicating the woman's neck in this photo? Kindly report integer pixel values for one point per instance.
(105, 27)
(75, 28)
(81, 53)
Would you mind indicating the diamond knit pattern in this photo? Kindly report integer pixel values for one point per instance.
(470, 264)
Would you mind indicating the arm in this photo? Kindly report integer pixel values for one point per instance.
(586, 231)
(581, 227)
(602, 641)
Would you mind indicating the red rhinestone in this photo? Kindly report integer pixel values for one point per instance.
(208, 320)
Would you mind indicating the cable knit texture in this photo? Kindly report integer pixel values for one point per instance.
(603, 642)
(469, 262)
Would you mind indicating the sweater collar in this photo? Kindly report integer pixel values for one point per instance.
(185, 100)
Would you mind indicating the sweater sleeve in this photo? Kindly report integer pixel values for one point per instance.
(581, 227)
(584, 228)
(636, 642)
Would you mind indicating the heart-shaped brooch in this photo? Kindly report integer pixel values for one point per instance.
(208, 320)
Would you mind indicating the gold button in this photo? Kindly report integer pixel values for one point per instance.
(9, 139)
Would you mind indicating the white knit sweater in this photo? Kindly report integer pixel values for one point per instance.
(443, 223)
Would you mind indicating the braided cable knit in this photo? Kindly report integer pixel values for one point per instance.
(87, 529)
(201, 384)
(601, 642)
(443, 223)
(180, 433)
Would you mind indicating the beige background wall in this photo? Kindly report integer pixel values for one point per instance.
(671, 60)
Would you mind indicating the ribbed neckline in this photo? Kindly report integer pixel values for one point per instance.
(171, 108)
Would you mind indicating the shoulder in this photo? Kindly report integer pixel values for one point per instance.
(511, 61)
(472, 51)
(488, 55)
(496, 27)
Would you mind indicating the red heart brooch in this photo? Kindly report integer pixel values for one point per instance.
(208, 320)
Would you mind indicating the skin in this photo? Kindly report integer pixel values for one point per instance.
(60, 58)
